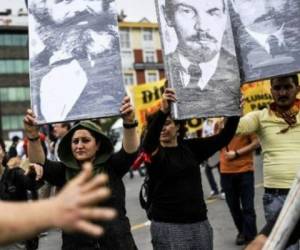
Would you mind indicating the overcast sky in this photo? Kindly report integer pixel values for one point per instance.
(134, 9)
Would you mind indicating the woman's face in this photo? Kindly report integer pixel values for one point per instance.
(169, 131)
(84, 146)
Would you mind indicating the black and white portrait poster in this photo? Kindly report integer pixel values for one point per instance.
(75, 63)
(199, 57)
(267, 37)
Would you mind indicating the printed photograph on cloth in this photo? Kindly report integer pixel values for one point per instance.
(199, 57)
(266, 36)
(75, 63)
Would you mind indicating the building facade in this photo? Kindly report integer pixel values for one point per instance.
(14, 78)
(141, 52)
(141, 58)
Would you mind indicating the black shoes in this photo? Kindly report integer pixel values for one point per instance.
(240, 239)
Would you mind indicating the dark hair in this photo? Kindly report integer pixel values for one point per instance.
(2, 145)
(15, 138)
(181, 123)
(182, 128)
(294, 78)
(94, 134)
(66, 125)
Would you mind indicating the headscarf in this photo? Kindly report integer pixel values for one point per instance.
(65, 152)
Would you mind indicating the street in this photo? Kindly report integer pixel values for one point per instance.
(218, 213)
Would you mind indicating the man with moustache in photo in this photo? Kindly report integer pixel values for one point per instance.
(79, 59)
(201, 63)
(267, 36)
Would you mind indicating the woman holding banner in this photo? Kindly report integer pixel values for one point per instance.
(86, 143)
(178, 211)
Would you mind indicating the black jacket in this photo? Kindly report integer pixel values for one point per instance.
(14, 185)
(174, 172)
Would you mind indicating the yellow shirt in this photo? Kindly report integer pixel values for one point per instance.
(281, 152)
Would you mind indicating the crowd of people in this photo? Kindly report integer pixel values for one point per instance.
(72, 175)
(177, 209)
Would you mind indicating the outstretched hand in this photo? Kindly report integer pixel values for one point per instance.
(127, 110)
(74, 208)
(167, 98)
(30, 125)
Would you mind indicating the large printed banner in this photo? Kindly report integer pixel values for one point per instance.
(75, 62)
(266, 34)
(199, 57)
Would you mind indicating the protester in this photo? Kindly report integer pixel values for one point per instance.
(14, 186)
(59, 131)
(12, 152)
(85, 143)
(237, 176)
(178, 211)
(278, 130)
(210, 128)
(71, 210)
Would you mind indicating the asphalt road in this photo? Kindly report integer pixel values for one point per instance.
(218, 213)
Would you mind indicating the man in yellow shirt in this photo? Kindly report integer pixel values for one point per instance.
(278, 129)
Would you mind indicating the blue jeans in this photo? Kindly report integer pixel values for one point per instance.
(272, 204)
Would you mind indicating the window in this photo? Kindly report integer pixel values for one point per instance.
(127, 59)
(14, 66)
(148, 35)
(125, 38)
(12, 122)
(149, 56)
(152, 77)
(14, 94)
(13, 40)
(128, 79)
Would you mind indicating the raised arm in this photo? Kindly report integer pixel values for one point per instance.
(35, 150)
(71, 210)
(203, 148)
(131, 140)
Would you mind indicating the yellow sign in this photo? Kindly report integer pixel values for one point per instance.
(194, 125)
(146, 98)
(257, 95)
